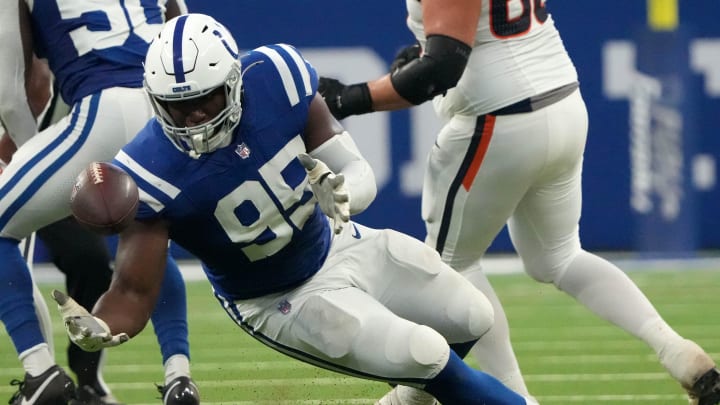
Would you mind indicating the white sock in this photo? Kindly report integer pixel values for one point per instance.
(530, 400)
(494, 351)
(176, 366)
(611, 294)
(43, 315)
(414, 396)
(658, 334)
(37, 359)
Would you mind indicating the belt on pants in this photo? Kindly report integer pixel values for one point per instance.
(537, 102)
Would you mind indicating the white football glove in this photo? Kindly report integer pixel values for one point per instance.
(88, 332)
(329, 189)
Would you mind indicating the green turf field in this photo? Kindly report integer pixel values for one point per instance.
(568, 356)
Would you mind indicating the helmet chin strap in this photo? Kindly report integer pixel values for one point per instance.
(202, 143)
(199, 142)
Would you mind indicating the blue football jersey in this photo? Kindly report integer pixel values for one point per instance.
(90, 49)
(244, 210)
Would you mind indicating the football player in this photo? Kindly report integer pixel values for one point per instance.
(245, 167)
(98, 72)
(511, 152)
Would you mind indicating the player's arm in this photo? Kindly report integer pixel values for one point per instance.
(341, 179)
(174, 8)
(125, 308)
(326, 140)
(139, 269)
(450, 28)
(7, 149)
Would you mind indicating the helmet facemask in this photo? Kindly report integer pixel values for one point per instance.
(193, 56)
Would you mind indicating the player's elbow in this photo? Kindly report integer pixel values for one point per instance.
(361, 184)
(127, 308)
(437, 71)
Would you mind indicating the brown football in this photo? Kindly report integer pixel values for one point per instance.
(104, 198)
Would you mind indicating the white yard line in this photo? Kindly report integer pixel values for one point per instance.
(493, 264)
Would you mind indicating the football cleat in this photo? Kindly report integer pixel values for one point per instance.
(87, 395)
(53, 387)
(402, 395)
(694, 370)
(180, 391)
(706, 390)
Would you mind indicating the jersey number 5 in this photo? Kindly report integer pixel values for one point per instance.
(111, 24)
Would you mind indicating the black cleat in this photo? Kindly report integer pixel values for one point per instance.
(86, 395)
(706, 389)
(53, 387)
(180, 391)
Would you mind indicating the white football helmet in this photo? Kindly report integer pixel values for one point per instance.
(192, 56)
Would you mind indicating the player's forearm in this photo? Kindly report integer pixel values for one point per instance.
(140, 264)
(7, 148)
(124, 311)
(341, 155)
(385, 97)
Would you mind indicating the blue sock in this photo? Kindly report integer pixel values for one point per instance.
(170, 315)
(17, 310)
(459, 384)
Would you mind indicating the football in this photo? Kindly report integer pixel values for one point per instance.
(104, 198)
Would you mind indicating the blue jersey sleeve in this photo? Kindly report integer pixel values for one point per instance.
(139, 159)
(298, 77)
(280, 83)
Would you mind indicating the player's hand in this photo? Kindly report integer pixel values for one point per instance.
(331, 90)
(88, 332)
(405, 56)
(344, 100)
(329, 189)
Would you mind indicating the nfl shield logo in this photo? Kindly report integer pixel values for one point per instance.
(284, 307)
(243, 151)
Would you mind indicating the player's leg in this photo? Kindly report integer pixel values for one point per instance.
(544, 230)
(17, 310)
(478, 170)
(85, 260)
(27, 247)
(171, 329)
(329, 323)
(34, 192)
(43, 314)
(428, 275)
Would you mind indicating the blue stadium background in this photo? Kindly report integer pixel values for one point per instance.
(672, 161)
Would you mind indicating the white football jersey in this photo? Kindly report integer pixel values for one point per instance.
(517, 54)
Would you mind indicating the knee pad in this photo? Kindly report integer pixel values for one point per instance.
(417, 350)
(471, 311)
(427, 347)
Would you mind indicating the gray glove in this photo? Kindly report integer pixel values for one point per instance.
(88, 332)
(329, 189)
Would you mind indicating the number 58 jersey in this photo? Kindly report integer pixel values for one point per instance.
(244, 210)
(517, 54)
(91, 51)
